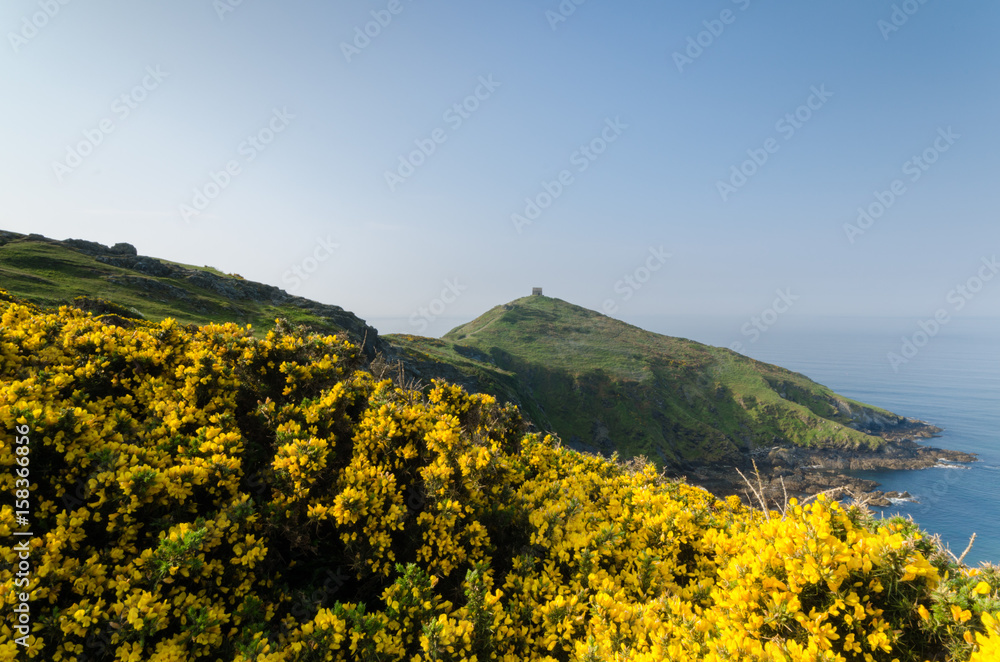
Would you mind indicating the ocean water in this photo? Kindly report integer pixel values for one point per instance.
(952, 381)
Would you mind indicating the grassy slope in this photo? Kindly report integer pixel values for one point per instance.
(52, 274)
(605, 383)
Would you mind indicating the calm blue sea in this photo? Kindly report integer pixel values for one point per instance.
(953, 381)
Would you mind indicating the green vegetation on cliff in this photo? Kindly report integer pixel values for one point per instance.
(605, 385)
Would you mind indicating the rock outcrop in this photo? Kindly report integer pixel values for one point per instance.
(798, 472)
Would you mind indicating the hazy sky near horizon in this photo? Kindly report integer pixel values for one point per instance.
(641, 158)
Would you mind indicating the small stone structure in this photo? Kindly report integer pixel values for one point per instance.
(536, 291)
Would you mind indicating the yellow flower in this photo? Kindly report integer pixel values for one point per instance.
(959, 614)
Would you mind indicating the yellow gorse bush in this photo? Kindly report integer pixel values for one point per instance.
(202, 494)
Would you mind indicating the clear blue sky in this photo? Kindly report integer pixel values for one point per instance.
(198, 80)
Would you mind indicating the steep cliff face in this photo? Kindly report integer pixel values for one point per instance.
(884, 424)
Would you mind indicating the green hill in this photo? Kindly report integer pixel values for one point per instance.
(604, 385)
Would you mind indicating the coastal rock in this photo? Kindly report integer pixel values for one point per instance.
(793, 471)
(94, 248)
(144, 265)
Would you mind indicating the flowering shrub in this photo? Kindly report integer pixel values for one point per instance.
(205, 494)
